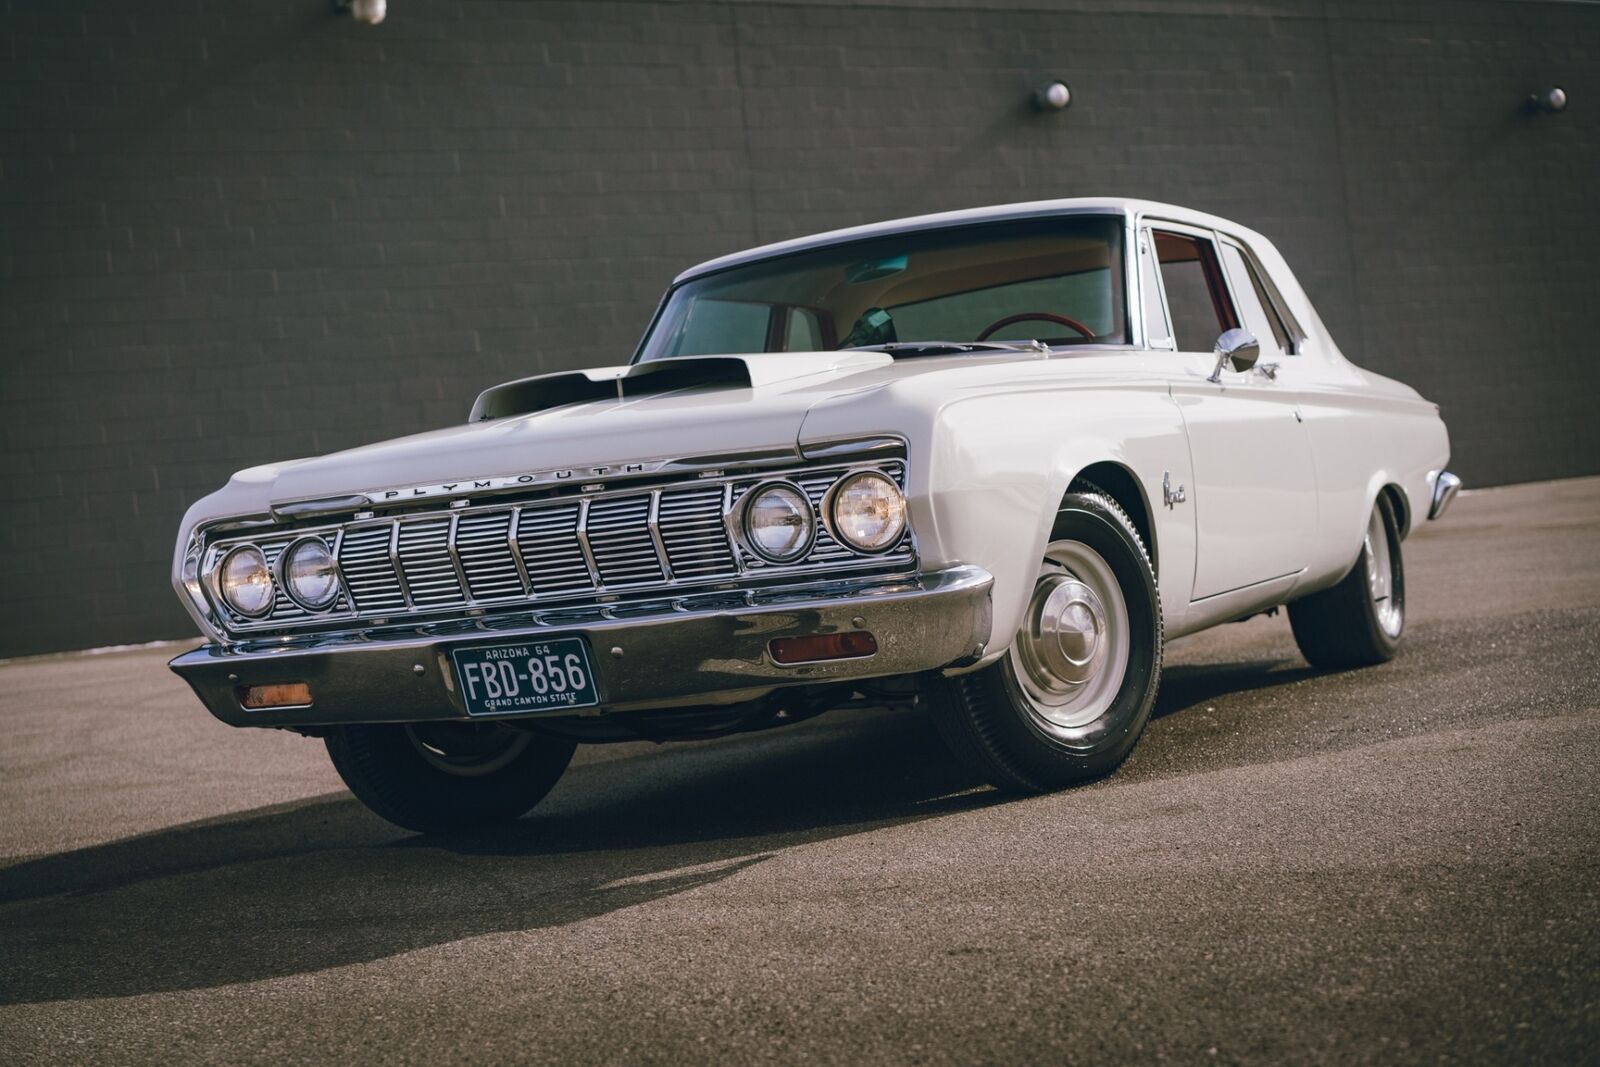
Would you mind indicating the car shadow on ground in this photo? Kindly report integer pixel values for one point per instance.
(319, 883)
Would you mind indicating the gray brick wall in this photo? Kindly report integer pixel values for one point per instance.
(237, 232)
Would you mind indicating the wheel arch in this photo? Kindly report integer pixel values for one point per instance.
(1120, 484)
(1401, 505)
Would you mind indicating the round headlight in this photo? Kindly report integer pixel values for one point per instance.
(245, 581)
(778, 522)
(309, 574)
(869, 511)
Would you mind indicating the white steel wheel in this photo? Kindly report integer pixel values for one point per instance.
(1069, 699)
(1071, 653)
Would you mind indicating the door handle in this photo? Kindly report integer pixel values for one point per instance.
(1268, 369)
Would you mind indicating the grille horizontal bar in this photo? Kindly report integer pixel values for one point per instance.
(498, 555)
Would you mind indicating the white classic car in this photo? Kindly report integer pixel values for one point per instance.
(984, 462)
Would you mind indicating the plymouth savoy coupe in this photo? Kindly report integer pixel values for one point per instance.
(985, 463)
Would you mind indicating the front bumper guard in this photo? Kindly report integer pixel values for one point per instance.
(933, 620)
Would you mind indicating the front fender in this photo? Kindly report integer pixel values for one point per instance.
(988, 469)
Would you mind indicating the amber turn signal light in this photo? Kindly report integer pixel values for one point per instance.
(281, 695)
(813, 647)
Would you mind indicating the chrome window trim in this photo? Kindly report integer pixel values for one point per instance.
(1291, 326)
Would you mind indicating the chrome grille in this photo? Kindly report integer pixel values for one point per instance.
(692, 530)
(618, 531)
(551, 551)
(368, 568)
(483, 545)
(423, 549)
(561, 550)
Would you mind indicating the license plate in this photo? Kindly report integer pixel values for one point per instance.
(526, 676)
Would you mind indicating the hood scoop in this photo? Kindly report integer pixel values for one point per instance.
(544, 391)
(527, 395)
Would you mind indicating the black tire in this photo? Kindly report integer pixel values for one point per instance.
(986, 717)
(1340, 626)
(405, 773)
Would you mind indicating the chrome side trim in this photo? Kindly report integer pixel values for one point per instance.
(854, 447)
(311, 509)
(613, 474)
(1445, 488)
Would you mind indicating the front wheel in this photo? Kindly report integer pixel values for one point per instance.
(1072, 695)
(435, 777)
(1358, 622)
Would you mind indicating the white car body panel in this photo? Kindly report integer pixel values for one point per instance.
(1279, 476)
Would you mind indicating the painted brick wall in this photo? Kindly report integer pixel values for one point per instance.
(232, 233)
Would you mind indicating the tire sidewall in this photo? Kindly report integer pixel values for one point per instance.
(382, 767)
(1103, 743)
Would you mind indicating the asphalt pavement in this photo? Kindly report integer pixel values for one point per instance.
(1392, 865)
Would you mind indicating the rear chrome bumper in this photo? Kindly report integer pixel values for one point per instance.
(1445, 488)
(933, 620)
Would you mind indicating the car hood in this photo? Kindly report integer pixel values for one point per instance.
(729, 406)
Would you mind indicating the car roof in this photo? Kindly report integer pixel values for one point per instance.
(997, 213)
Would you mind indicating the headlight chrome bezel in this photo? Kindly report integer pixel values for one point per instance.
(746, 532)
(286, 583)
(219, 582)
(830, 506)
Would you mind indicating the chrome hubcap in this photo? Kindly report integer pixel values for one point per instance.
(1380, 576)
(1072, 650)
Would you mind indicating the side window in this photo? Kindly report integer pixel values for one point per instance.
(1197, 298)
(1260, 317)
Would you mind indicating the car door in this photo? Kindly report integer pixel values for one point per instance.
(1254, 493)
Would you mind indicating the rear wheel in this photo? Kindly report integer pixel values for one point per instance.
(1072, 695)
(1358, 622)
(434, 777)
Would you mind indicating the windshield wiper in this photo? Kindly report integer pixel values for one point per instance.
(910, 349)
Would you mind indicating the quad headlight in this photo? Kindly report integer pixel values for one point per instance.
(778, 522)
(309, 574)
(245, 581)
(867, 511)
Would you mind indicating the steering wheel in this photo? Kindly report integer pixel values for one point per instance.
(1026, 316)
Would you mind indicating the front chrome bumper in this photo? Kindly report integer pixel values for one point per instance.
(933, 620)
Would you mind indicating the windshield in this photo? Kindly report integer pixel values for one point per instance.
(1054, 280)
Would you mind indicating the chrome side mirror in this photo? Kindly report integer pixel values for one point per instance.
(1238, 345)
